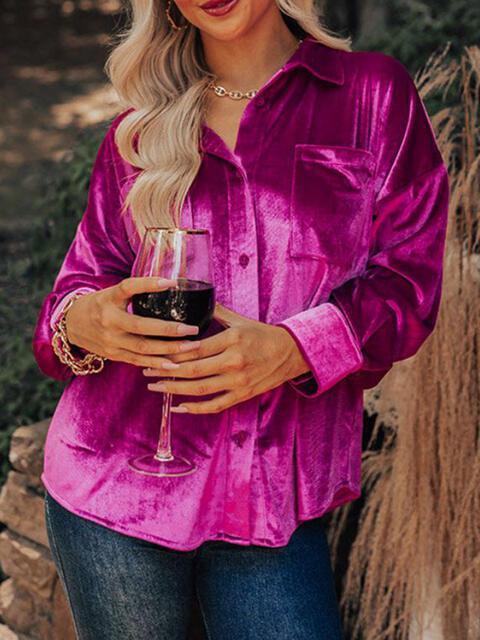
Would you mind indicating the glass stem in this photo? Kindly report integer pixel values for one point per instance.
(164, 447)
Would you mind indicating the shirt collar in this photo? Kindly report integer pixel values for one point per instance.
(324, 62)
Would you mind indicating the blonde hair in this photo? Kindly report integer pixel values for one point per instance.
(162, 74)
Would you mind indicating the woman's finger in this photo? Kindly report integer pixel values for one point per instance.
(183, 357)
(132, 323)
(198, 368)
(122, 355)
(201, 387)
(128, 287)
(218, 342)
(215, 405)
(142, 345)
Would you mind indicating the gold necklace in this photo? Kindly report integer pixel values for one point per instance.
(239, 95)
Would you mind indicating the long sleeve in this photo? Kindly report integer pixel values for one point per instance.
(99, 255)
(386, 313)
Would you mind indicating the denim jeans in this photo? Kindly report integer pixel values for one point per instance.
(120, 586)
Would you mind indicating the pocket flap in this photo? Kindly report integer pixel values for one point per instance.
(330, 203)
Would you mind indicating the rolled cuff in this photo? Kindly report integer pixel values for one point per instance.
(328, 345)
(62, 303)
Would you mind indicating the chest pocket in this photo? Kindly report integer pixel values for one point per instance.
(330, 204)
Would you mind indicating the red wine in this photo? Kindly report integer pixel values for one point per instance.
(192, 302)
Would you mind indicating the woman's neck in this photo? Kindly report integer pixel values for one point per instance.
(246, 62)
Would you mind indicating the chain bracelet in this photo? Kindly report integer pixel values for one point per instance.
(90, 363)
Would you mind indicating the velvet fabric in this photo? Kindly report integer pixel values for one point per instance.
(328, 219)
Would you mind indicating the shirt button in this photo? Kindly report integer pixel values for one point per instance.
(244, 260)
(240, 437)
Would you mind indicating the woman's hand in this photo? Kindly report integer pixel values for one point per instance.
(100, 323)
(246, 359)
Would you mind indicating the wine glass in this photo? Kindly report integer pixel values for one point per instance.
(184, 255)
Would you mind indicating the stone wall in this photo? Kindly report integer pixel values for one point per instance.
(32, 602)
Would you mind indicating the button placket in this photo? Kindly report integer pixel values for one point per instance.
(244, 289)
(237, 503)
(245, 286)
(244, 292)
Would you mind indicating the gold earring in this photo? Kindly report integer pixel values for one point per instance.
(171, 20)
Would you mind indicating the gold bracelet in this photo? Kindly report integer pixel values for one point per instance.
(90, 363)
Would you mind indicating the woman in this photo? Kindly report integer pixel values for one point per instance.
(326, 197)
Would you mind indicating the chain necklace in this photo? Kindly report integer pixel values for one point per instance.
(239, 95)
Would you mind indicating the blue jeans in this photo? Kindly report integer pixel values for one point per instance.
(119, 586)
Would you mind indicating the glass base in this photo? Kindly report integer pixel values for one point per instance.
(150, 465)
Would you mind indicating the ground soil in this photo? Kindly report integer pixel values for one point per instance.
(53, 85)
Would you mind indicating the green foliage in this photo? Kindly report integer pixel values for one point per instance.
(417, 28)
(63, 204)
(26, 395)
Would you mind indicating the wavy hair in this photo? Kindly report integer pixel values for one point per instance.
(161, 73)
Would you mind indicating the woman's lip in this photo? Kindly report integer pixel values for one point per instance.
(212, 4)
(213, 9)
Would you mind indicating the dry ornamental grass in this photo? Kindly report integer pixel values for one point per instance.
(415, 563)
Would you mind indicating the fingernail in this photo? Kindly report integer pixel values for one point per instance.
(170, 365)
(188, 346)
(179, 409)
(187, 329)
(157, 386)
(163, 281)
(152, 372)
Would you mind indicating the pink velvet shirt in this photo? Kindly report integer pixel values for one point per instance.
(329, 219)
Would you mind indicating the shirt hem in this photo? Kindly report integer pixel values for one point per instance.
(344, 498)
(115, 526)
